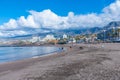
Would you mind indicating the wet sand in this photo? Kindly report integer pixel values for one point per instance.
(93, 62)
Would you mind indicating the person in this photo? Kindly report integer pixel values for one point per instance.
(62, 48)
(81, 47)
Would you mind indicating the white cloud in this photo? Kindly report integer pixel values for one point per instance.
(49, 20)
(12, 24)
(13, 33)
(28, 22)
(89, 20)
(112, 12)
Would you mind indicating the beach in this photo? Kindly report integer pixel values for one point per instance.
(80, 62)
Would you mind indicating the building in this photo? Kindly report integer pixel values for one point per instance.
(65, 36)
(49, 37)
(35, 39)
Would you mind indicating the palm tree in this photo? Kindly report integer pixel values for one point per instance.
(77, 38)
(118, 33)
(109, 35)
(113, 33)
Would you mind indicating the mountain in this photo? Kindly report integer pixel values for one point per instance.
(59, 33)
(78, 31)
(71, 32)
(85, 30)
(112, 24)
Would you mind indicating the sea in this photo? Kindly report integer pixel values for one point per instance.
(8, 54)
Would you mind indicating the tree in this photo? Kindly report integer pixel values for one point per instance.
(113, 33)
(118, 30)
(77, 38)
(109, 35)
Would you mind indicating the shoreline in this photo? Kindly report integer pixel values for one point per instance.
(28, 61)
(37, 56)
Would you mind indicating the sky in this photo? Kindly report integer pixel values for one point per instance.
(16, 8)
(23, 17)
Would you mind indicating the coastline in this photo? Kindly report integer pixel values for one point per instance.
(26, 62)
(68, 65)
(22, 49)
(35, 57)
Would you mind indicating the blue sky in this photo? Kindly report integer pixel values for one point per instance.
(23, 17)
(16, 8)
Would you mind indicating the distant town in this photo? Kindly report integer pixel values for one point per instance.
(50, 39)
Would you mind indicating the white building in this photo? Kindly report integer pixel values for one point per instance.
(35, 39)
(64, 36)
(49, 37)
(72, 40)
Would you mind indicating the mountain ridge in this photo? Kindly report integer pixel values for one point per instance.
(75, 31)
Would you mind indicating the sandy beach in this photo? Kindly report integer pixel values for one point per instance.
(91, 62)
